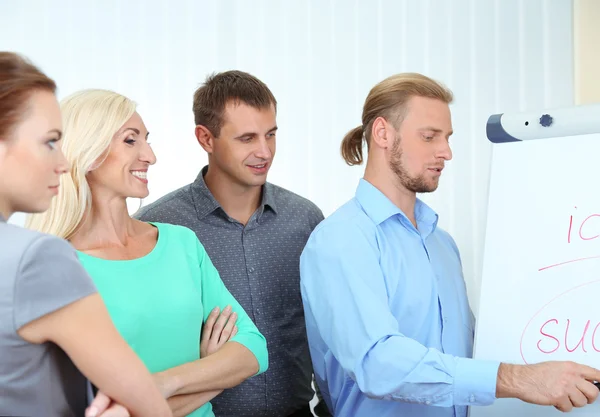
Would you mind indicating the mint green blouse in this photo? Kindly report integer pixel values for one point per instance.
(159, 302)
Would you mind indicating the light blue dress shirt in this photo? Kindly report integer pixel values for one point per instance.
(389, 324)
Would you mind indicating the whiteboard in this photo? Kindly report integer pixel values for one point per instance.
(541, 271)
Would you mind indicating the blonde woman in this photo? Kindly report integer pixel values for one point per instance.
(156, 279)
(53, 320)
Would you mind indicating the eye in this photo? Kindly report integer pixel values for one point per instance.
(271, 135)
(52, 144)
(130, 140)
(246, 139)
(428, 137)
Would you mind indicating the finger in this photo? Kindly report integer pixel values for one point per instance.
(589, 390)
(589, 373)
(98, 405)
(235, 330)
(116, 410)
(577, 398)
(564, 404)
(209, 324)
(220, 324)
(226, 333)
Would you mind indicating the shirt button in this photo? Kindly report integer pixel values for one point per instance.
(257, 311)
(250, 269)
(428, 402)
(472, 398)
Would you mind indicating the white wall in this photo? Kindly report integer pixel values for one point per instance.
(320, 58)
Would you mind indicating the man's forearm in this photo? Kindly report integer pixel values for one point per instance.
(507, 382)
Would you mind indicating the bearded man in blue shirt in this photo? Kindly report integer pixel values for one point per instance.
(388, 321)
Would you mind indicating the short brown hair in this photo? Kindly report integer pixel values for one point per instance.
(388, 99)
(18, 79)
(219, 89)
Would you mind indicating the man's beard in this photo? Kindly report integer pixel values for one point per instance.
(414, 184)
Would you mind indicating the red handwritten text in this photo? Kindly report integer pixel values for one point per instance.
(586, 228)
(560, 335)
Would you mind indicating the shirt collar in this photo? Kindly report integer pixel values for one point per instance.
(380, 208)
(206, 203)
(427, 218)
(377, 206)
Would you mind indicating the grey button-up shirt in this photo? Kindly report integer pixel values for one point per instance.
(259, 264)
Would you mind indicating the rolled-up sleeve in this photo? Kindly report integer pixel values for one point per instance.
(344, 289)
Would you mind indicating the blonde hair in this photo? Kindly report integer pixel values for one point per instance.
(388, 99)
(90, 120)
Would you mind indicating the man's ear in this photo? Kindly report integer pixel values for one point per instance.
(382, 133)
(205, 138)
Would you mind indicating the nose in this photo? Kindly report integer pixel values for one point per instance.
(147, 154)
(62, 167)
(445, 152)
(263, 150)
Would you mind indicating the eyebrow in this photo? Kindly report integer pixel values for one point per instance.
(135, 130)
(436, 130)
(58, 132)
(273, 129)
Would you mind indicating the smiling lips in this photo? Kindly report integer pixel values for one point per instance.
(141, 175)
(259, 169)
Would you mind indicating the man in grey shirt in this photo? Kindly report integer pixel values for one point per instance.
(254, 233)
